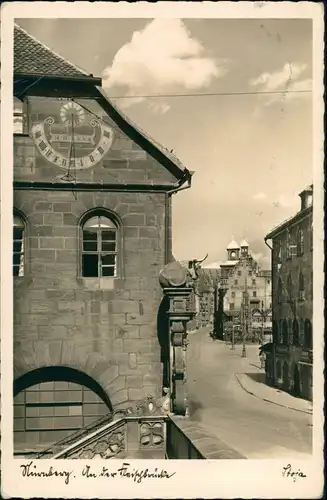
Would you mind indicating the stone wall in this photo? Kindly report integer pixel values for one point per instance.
(103, 327)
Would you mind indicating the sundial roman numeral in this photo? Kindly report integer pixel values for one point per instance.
(101, 150)
(91, 158)
(38, 134)
(42, 145)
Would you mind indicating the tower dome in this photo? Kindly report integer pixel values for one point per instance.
(233, 245)
(233, 250)
(244, 244)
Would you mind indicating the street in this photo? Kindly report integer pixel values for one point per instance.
(255, 428)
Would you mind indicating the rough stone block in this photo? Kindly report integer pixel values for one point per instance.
(134, 381)
(53, 219)
(136, 394)
(69, 219)
(119, 397)
(148, 232)
(52, 332)
(134, 219)
(148, 331)
(153, 380)
(127, 332)
(42, 255)
(43, 206)
(70, 243)
(125, 306)
(66, 256)
(139, 370)
(149, 357)
(136, 345)
(51, 243)
(62, 207)
(43, 307)
(117, 385)
(132, 360)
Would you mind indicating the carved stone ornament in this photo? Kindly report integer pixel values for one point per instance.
(179, 313)
(108, 445)
(152, 434)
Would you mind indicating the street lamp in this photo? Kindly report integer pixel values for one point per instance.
(233, 339)
(245, 326)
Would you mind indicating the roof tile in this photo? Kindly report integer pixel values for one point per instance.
(33, 57)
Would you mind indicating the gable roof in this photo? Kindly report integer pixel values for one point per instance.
(32, 57)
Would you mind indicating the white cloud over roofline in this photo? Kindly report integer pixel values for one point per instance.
(162, 58)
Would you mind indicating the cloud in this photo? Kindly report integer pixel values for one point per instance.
(260, 258)
(285, 201)
(285, 80)
(260, 196)
(282, 201)
(162, 58)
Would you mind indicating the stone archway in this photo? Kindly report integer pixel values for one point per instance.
(54, 402)
(81, 357)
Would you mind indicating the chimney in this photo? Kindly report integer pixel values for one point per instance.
(306, 197)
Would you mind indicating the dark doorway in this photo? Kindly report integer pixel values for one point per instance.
(285, 377)
(297, 387)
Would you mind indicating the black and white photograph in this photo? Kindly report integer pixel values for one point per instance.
(164, 270)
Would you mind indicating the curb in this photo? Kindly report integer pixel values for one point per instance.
(268, 400)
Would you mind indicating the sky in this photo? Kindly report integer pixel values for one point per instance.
(251, 153)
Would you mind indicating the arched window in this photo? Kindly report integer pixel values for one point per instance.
(296, 334)
(285, 332)
(100, 250)
(289, 288)
(18, 246)
(301, 287)
(300, 241)
(307, 334)
(280, 291)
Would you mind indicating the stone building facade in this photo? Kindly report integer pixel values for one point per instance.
(208, 279)
(240, 274)
(289, 364)
(91, 232)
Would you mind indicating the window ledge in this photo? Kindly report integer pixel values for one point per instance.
(98, 283)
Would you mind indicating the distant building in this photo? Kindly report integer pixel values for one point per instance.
(240, 274)
(208, 279)
(289, 364)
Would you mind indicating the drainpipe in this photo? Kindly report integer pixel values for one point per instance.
(184, 183)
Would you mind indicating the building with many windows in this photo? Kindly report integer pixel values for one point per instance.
(289, 364)
(207, 283)
(91, 232)
(239, 275)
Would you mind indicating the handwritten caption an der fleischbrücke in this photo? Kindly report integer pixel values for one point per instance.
(30, 469)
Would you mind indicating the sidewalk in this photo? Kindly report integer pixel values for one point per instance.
(251, 378)
(253, 382)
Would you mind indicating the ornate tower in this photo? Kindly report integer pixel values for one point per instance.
(233, 250)
(244, 249)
